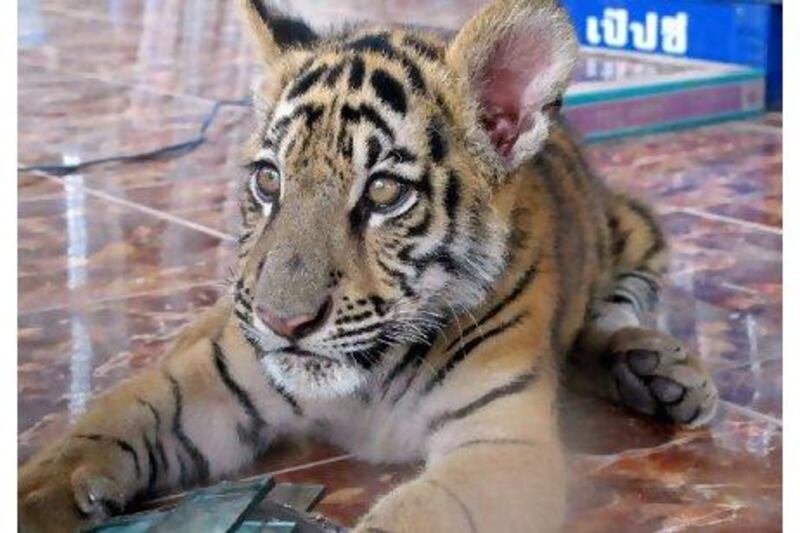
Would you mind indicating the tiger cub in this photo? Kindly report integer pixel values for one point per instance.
(422, 248)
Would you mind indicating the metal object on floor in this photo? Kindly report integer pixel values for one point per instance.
(255, 505)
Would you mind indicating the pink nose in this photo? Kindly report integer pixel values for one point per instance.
(294, 327)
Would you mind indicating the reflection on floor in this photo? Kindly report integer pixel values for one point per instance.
(113, 260)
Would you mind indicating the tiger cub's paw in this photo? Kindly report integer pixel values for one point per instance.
(655, 374)
(55, 495)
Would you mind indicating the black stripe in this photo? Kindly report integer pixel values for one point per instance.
(311, 112)
(240, 299)
(159, 445)
(373, 151)
(551, 182)
(354, 332)
(153, 411)
(256, 421)
(377, 42)
(359, 317)
(358, 217)
(413, 357)
(594, 190)
(437, 146)
(334, 74)
(453, 496)
(280, 126)
(440, 255)
(372, 115)
(465, 349)
(369, 113)
(423, 48)
(245, 235)
(398, 276)
(388, 89)
(622, 299)
(379, 304)
(659, 243)
(348, 149)
(425, 182)
(577, 224)
(308, 80)
(288, 398)
(415, 354)
(516, 385)
(356, 77)
(200, 461)
(414, 73)
(253, 342)
(519, 286)
(652, 285)
(369, 357)
(402, 155)
(162, 455)
(241, 316)
(119, 443)
(153, 466)
(442, 103)
(452, 198)
(184, 473)
(619, 238)
(633, 296)
(422, 227)
(249, 438)
(593, 212)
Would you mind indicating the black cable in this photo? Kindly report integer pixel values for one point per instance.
(158, 153)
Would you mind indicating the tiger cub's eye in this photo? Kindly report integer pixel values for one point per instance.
(267, 181)
(385, 192)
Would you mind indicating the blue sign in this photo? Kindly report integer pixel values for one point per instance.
(744, 32)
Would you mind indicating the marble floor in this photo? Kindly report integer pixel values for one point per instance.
(113, 260)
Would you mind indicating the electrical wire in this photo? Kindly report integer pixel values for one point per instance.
(171, 150)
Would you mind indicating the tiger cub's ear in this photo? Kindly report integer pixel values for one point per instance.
(517, 57)
(273, 31)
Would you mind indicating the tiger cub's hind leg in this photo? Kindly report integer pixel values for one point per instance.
(620, 358)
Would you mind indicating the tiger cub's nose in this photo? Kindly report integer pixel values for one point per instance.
(294, 327)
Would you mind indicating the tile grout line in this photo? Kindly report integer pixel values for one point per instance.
(149, 210)
(178, 495)
(115, 83)
(143, 86)
(746, 411)
(111, 299)
(90, 16)
(162, 214)
(722, 218)
(739, 366)
(312, 464)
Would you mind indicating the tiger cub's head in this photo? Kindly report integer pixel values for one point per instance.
(376, 204)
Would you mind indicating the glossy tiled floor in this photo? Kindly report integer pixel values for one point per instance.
(112, 261)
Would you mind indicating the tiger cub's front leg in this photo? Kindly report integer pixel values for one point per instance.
(494, 464)
(200, 413)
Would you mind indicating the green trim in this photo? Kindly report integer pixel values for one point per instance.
(664, 127)
(662, 88)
